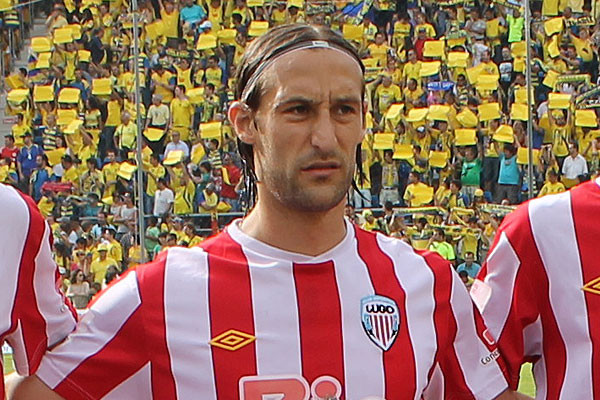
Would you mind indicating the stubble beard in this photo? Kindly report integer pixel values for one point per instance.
(318, 197)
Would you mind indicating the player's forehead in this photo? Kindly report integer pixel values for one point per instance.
(315, 72)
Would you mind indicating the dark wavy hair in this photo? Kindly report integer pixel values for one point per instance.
(264, 49)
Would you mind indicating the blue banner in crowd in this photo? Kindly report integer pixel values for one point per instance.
(443, 85)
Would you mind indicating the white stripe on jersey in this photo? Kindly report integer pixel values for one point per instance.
(137, 386)
(541, 378)
(186, 287)
(470, 348)
(45, 286)
(503, 254)
(13, 236)
(360, 355)
(435, 389)
(275, 311)
(18, 341)
(103, 321)
(560, 254)
(424, 341)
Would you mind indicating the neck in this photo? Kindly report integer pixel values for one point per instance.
(309, 233)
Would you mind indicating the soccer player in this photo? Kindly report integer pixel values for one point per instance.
(539, 292)
(33, 314)
(293, 300)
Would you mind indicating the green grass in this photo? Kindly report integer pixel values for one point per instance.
(8, 364)
(526, 384)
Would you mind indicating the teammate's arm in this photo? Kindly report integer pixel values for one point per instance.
(32, 388)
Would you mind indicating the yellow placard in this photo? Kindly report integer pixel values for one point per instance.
(154, 134)
(553, 25)
(173, 157)
(504, 134)
(54, 156)
(586, 118)
(63, 35)
(206, 41)
(553, 50)
(227, 36)
(102, 86)
(295, 3)
(353, 32)
(523, 156)
(75, 31)
(210, 130)
(394, 111)
(42, 64)
(519, 111)
(69, 95)
(550, 79)
(258, 28)
(43, 93)
(383, 141)
(370, 62)
(518, 49)
(65, 116)
(402, 151)
(473, 73)
(198, 154)
(489, 111)
(17, 96)
(438, 112)
(487, 82)
(521, 95)
(41, 44)
(519, 64)
(434, 48)
(126, 170)
(73, 126)
(429, 68)
(559, 101)
(255, 3)
(84, 55)
(422, 194)
(458, 59)
(465, 137)
(155, 29)
(417, 114)
(467, 118)
(438, 159)
(196, 95)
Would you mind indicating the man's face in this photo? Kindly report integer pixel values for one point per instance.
(506, 53)
(39, 161)
(111, 156)
(379, 39)
(469, 258)
(572, 150)
(307, 128)
(175, 137)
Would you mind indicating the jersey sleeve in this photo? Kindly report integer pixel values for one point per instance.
(467, 361)
(107, 347)
(40, 315)
(505, 295)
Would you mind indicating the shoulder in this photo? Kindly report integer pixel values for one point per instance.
(16, 207)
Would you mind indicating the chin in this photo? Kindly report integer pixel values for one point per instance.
(316, 199)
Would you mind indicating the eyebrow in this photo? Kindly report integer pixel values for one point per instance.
(311, 102)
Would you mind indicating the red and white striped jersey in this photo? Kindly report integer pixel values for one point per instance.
(539, 292)
(239, 319)
(33, 313)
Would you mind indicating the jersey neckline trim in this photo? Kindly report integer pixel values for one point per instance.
(254, 245)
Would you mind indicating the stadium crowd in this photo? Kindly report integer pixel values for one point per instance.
(445, 152)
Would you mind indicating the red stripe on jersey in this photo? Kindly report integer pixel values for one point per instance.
(152, 293)
(320, 321)
(445, 325)
(230, 298)
(510, 342)
(584, 205)
(25, 311)
(99, 372)
(399, 360)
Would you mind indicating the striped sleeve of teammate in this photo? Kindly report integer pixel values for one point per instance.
(36, 314)
(530, 288)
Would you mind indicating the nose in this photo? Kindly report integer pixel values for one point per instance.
(323, 134)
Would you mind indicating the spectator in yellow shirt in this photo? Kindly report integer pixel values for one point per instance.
(552, 186)
(100, 265)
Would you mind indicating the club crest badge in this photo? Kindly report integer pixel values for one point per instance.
(380, 319)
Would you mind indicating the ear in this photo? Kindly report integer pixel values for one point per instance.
(365, 110)
(239, 115)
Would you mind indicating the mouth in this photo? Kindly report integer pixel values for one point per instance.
(322, 166)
